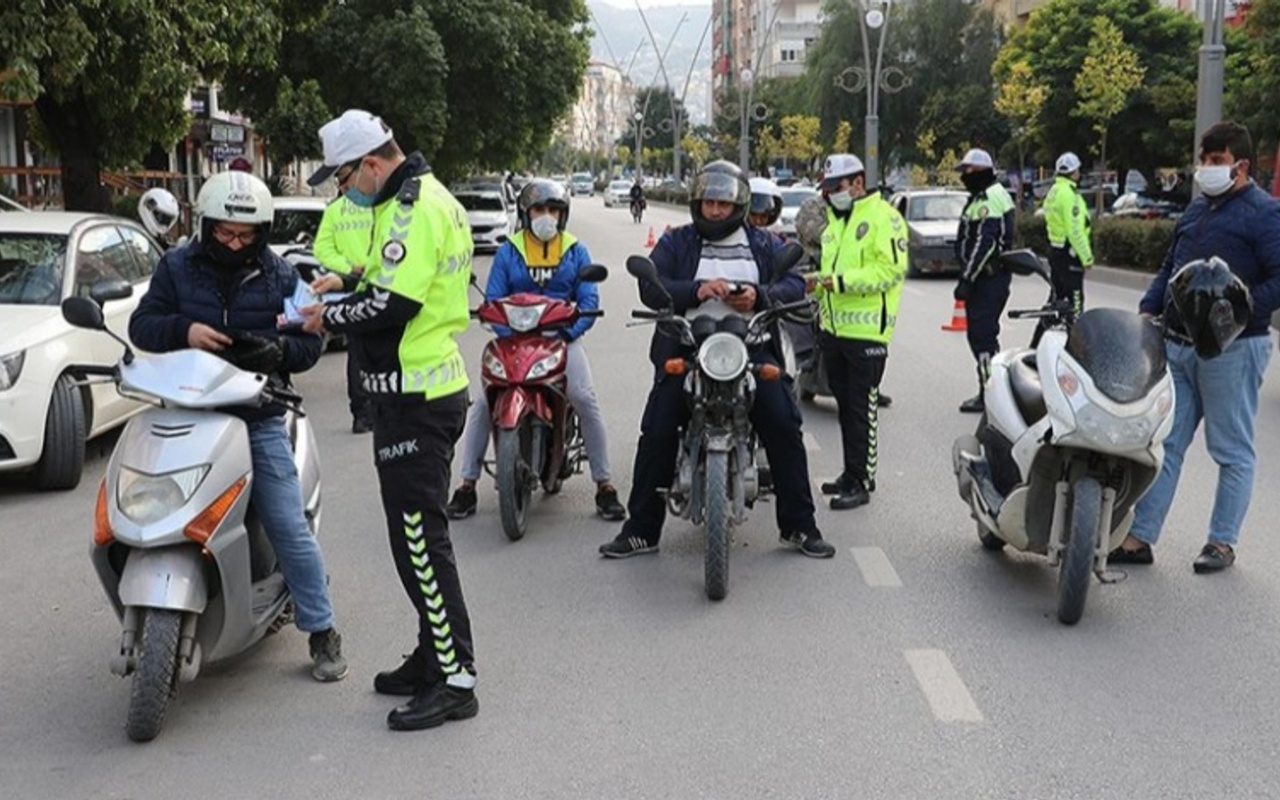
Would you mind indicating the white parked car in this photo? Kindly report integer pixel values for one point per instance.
(792, 198)
(618, 193)
(492, 221)
(45, 257)
(295, 222)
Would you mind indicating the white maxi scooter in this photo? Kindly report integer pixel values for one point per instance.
(1072, 437)
(177, 547)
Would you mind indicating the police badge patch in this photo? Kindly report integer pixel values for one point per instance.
(862, 230)
(393, 252)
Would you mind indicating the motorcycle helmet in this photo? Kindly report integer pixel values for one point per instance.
(723, 181)
(1210, 303)
(234, 197)
(766, 198)
(541, 192)
(158, 210)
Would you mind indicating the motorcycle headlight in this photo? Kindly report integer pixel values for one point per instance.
(722, 356)
(11, 368)
(546, 364)
(493, 365)
(147, 498)
(523, 318)
(1097, 425)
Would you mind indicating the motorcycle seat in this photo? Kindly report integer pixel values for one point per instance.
(1028, 393)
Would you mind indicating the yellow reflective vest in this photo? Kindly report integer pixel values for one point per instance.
(866, 258)
(345, 237)
(1066, 217)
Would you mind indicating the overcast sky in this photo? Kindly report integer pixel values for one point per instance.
(654, 3)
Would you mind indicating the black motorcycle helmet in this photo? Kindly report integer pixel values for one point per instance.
(1210, 303)
(540, 192)
(724, 181)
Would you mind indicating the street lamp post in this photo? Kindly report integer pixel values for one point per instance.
(875, 17)
(639, 125)
(745, 85)
(1209, 86)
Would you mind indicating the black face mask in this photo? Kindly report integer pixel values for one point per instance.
(224, 256)
(978, 182)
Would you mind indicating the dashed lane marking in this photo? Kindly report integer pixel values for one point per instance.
(875, 566)
(942, 687)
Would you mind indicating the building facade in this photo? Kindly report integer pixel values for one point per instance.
(603, 109)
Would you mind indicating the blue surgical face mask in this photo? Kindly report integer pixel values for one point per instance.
(545, 227)
(357, 197)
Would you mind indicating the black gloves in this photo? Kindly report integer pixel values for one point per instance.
(254, 353)
(963, 290)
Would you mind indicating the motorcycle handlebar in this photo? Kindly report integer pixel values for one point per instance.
(644, 313)
(1039, 313)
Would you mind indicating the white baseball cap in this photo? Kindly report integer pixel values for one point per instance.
(1067, 163)
(837, 166)
(353, 135)
(977, 158)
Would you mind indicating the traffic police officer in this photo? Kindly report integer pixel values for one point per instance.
(858, 287)
(404, 317)
(986, 231)
(1066, 217)
(342, 246)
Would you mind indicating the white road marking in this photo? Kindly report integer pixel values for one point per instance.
(909, 289)
(811, 442)
(875, 566)
(941, 684)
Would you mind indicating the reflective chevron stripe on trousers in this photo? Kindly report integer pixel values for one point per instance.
(854, 369)
(413, 447)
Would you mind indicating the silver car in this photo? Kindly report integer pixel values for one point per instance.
(933, 219)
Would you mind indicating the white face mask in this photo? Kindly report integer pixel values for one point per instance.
(841, 201)
(1215, 180)
(545, 227)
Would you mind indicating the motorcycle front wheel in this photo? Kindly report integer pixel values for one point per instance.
(155, 679)
(515, 490)
(1075, 573)
(718, 516)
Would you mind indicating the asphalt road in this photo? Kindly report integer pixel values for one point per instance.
(912, 665)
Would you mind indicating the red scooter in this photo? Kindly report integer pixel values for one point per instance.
(537, 438)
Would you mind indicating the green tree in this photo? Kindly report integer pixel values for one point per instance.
(109, 79)
(842, 137)
(697, 149)
(1253, 74)
(800, 138)
(1020, 100)
(291, 123)
(1110, 72)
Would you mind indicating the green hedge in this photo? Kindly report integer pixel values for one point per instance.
(1127, 243)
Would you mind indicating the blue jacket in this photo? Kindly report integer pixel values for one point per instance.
(1243, 229)
(187, 288)
(677, 255)
(509, 275)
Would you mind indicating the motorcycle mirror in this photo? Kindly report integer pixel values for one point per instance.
(1024, 262)
(83, 313)
(641, 268)
(110, 289)
(790, 255)
(594, 273)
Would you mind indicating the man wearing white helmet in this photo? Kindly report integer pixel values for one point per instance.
(766, 204)
(986, 231)
(222, 293)
(1067, 219)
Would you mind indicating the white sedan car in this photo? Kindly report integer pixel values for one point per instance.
(492, 221)
(295, 222)
(45, 257)
(618, 193)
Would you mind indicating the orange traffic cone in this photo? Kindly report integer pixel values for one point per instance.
(651, 241)
(959, 320)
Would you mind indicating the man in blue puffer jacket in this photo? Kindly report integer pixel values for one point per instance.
(223, 293)
(1237, 222)
(544, 258)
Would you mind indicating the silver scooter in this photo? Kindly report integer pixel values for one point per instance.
(176, 545)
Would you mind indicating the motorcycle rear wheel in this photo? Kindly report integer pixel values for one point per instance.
(155, 680)
(514, 489)
(1075, 573)
(718, 524)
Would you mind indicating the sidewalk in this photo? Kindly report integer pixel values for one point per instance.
(1114, 276)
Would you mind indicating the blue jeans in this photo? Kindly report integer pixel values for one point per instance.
(277, 497)
(1223, 392)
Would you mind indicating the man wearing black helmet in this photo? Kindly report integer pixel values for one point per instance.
(700, 266)
(1216, 377)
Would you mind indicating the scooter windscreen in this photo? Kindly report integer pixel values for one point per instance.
(1122, 352)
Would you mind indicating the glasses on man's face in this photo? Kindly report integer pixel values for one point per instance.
(227, 236)
(344, 177)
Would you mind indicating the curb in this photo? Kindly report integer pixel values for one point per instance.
(1114, 276)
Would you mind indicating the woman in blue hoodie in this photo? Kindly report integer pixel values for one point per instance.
(544, 258)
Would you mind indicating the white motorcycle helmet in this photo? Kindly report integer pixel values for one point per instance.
(766, 198)
(234, 197)
(158, 210)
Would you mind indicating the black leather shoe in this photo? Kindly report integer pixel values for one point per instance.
(405, 680)
(1214, 558)
(884, 400)
(361, 424)
(1141, 555)
(839, 485)
(433, 707)
(851, 498)
(974, 405)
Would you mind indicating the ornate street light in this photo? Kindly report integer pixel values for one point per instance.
(873, 14)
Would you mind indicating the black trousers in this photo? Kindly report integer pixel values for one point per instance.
(986, 303)
(357, 397)
(1067, 274)
(776, 419)
(413, 449)
(854, 370)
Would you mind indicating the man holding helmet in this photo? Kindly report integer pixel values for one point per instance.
(717, 265)
(222, 293)
(1226, 252)
(544, 258)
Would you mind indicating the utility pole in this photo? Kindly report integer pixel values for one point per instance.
(1209, 85)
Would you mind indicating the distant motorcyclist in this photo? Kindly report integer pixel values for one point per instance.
(714, 266)
(638, 203)
(222, 293)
